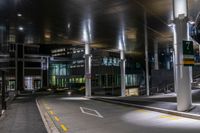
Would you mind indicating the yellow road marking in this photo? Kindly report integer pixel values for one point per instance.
(169, 117)
(64, 128)
(56, 118)
(51, 112)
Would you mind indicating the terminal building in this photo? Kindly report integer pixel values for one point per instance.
(66, 69)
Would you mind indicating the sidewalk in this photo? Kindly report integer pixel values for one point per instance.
(22, 116)
(161, 103)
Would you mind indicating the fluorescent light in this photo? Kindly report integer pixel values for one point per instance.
(180, 7)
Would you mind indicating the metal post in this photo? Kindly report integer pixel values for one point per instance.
(41, 72)
(168, 58)
(23, 66)
(123, 74)
(47, 71)
(87, 71)
(3, 91)
(16, 68)
(156, 64)
(146, 53)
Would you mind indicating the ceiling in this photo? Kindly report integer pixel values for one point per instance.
(62, 21)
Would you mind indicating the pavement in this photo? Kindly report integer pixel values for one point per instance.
(22, 116)
(165, 103)
(82, 115)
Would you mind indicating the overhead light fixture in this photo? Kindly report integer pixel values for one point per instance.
(19, 14)
(171, 25)
(191, 22)
(20, 28)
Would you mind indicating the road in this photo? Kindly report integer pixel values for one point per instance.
(81, 115)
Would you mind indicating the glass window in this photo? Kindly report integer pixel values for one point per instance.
(105, 61)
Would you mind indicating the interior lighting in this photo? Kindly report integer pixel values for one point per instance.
(180, 7)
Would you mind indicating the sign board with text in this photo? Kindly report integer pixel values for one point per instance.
(188, 53)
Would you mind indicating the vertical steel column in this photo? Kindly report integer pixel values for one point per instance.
(123, 73)
(146, 53)
(87, 70)
(156, 64)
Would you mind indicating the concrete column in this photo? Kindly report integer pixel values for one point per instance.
(189, 38)
(146, 53)
(174, 69)
(156, 63)
(123, 74)
(87, 71)
(183, 85)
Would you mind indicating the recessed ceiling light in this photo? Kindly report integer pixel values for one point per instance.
(19, 14)
(20, 28)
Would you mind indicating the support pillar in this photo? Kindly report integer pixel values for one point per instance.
(146, 53)
(182, 82)
(123, 74)
(156, 63)
(87, 71)
(189, 38)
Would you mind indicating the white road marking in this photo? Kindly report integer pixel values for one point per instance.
(96, 113)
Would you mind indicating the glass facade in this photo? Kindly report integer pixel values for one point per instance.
(58, 74)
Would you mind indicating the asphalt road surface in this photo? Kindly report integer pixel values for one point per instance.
(81, 115)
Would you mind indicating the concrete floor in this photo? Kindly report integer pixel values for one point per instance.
(80, 115)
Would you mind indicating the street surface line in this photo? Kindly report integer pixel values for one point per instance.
(64, 128)
(169, 117)
(56, 118)
(51, 112)
(97, 114)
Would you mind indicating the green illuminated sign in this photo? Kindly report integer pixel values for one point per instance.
(188, 53)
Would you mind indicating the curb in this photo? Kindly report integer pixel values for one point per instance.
(166, 111)
(49, 124)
